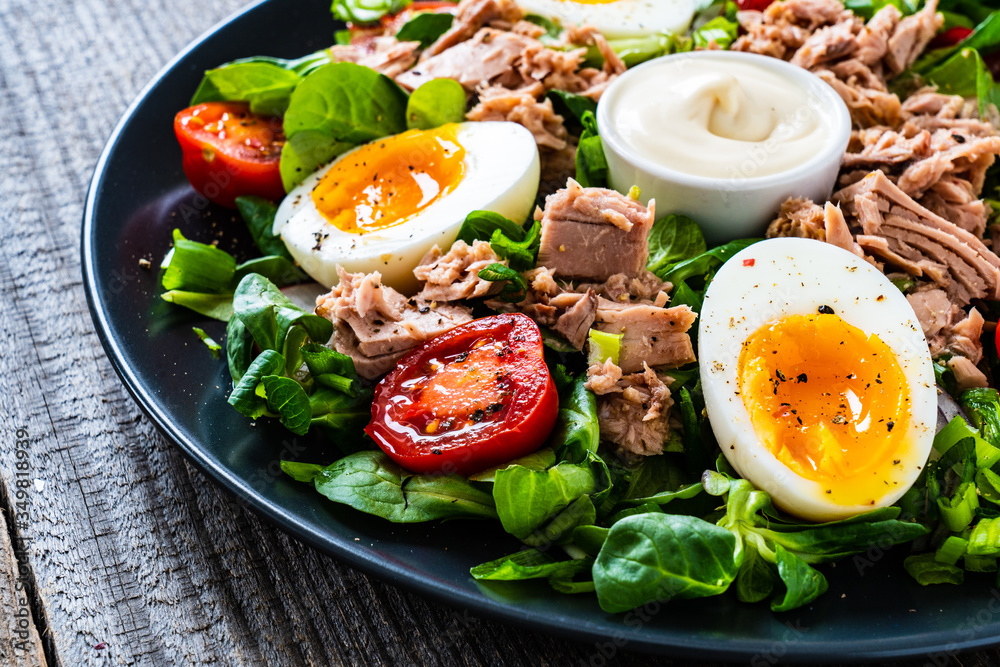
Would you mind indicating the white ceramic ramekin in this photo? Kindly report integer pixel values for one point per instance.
(742, 204)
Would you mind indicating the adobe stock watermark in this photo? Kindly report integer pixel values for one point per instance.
(21, 516)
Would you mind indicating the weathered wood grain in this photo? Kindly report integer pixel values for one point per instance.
(137, 558)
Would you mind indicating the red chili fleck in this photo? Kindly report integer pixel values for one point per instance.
(101, 646)
(748, 262)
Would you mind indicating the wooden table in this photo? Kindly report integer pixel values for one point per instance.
(130, 555)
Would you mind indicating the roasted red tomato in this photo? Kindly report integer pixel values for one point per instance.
(229, 151)
(759, 5)
(950, 37)
(472, 398)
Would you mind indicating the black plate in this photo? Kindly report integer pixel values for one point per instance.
(139, 194)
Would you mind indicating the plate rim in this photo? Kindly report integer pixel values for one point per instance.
(631, 639)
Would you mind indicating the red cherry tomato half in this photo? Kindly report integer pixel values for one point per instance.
(759, 5)
(474, 397)
(950, 37)
(229, 151)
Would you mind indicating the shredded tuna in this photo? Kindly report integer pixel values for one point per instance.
(522, 107)
(470, 16)
(594, 233)
(650, 334)
(803, 219)
(455, 276)
(895, 229)
(376, 325)
(622, 288)
(633, 412)
(388, 56)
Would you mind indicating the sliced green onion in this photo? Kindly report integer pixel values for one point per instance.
(953, 432)
(928, 571)
(952, 549)
(985, 538)
(958, 511)
(197, 267)
(603, 346)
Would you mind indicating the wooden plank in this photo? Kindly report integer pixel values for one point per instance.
(20, 641)
(138, 558)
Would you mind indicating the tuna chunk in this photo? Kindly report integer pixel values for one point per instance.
(593, 233)
(948, 329)
(376, 325)
(902, 228)
(522, 107)
(488, 58)
(653, 335)
(633, 411)
(911, 36)
(803, 219)
(622, 288)
(472, 15)
(389, 57)
(455, 275)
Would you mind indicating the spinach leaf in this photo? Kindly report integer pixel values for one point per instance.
(334, 107)
(571, 106)
(244, 396)
(576, 434)
(673, 239)
(258, 214)
(756, 577)
(435, 103)
(341, 416)
(706, 262)
(528, 564)
(525, 499)
(287, 399)
(198, 267)
(663, 557)
(348, 102)
(268, 314)
(926, 570)
(265, 85)
(967, 75)
(425, 28)
(540, 460)
(481, 225)
(216, 306)
(365, 11)
(803, 584)
(515, 287)
(278, 270)
(368, 481)
(591, 164)
(983, 407)
(305, 153)
(521, 255)
(239, 348)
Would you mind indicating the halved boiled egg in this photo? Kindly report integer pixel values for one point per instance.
(382, 206)
(817, 379)
(617, 18)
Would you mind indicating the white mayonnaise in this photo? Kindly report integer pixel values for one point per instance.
(734, 119)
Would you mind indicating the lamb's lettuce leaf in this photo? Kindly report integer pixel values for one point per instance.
(368, 481)
(435, 103)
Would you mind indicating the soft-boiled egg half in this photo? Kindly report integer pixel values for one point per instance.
(617, 18)
(818, 382)
(383, 205)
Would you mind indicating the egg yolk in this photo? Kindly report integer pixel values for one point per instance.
(387, 182)
(829, 402)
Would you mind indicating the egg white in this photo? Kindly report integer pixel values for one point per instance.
(618, 19)
(791, 276)
(501, 175)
